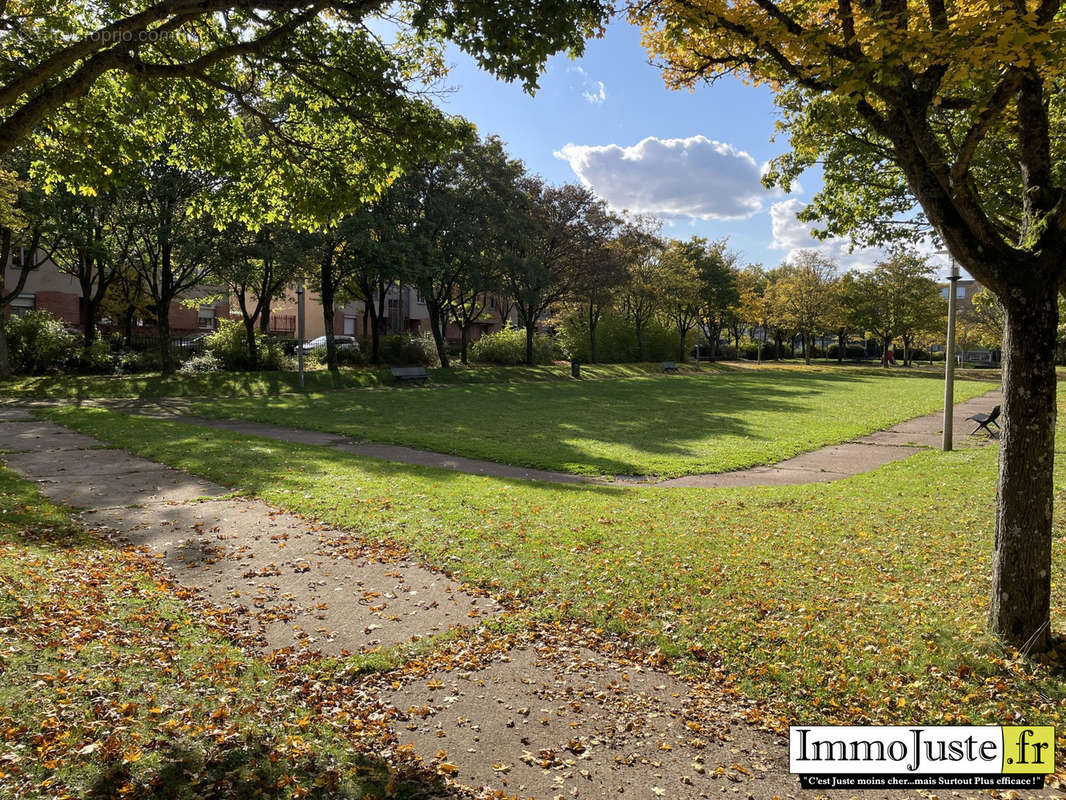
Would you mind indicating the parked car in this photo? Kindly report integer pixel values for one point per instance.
(342, 342)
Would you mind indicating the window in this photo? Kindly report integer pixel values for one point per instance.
(206, 319)
(349, 325)
(23, 304)
(960, 292)
(419, 298)
(945, 291)
(492, 301)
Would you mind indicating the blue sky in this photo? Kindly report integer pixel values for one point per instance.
(692, 158)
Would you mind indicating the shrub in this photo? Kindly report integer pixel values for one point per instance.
(616, 340)
(202, 362)
(229, 345)
(852, 352)
(38, 343)
(96, 359)
(133, 362)
(400, 350)
(508, 347)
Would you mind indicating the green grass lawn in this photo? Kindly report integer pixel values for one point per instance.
(860, 601)
(714, 421)
(111, 685)
(258, 384)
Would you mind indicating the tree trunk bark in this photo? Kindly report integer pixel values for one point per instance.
(531, 332)
(884, 352)
(127, 326)
(264, 317)
(592, 334)
(1021, 563)
(166, 353)
(807, 349)
(253, 353)
(464, 338)
(684, 335)
(640, 342)
(328, 294)
(842, 345)
(438, 333)
(91, 308)
(5, 357)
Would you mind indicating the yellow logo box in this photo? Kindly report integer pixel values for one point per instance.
(1028, 750)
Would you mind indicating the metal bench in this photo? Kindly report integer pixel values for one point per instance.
(402, 374)
(984, 420)
(670, 366)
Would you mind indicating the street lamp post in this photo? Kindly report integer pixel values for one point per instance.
(949, 360)
(300, 330)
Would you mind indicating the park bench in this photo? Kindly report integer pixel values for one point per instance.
(670, 366)
(984, 420)
(402, 374)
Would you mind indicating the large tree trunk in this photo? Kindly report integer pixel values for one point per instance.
(5, 357)
(593, 319)
(531, 332)
(166, 352)
(127, 325)
(253, 351)
(807, 344)
(1021, 579)
(438, 333)
(684, 336)
(328, 312)
(842, 345)
(91, 309)
(464, 338)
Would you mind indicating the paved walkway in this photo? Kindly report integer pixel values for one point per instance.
(826, 464)
(544, 711)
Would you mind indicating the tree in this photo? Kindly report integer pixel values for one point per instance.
(752, 304)
(982, 321)
(681, 286)
(640, 249)
(719, 296)
(172, 247)
(256, 266)
(802, 296)
(59, 58)
(557, 232)
(86, 240)
(20, 238)
(597, 285)
(456, 212)
(953, 108)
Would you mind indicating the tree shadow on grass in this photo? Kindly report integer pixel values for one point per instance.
(584, 427)
(252, 769)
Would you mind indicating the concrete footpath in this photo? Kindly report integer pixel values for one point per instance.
(541, 711)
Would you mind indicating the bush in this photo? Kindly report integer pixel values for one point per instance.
(134, 362)
(38, 343)
(508, 347)
(202, 362)
(400, 350)
(228, 344)
(96, 359)
(853, 352)
(616, 340)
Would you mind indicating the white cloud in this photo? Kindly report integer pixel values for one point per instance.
(593, 91)
(792, 235)
(694, 177)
